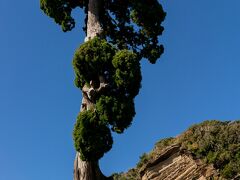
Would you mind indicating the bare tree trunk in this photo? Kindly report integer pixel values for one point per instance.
(89, 170)
(93, 23)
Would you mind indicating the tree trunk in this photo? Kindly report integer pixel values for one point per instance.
(93, 22)
(89, 170)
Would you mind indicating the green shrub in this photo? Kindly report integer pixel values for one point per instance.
(144, 158)
(92, 137)
(217, 143)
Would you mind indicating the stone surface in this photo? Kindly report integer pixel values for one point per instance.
(175, 164)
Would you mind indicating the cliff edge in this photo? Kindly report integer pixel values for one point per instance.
(209, 150)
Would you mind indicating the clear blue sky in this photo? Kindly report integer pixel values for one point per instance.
(197, 78)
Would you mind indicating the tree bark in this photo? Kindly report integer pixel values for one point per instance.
(89, 170)
(93, 22)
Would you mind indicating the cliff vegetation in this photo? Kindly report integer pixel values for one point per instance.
(210, 150)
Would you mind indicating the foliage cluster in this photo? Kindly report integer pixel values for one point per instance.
(130, 24)
(60, 11)
(121, 68)
(92, 59)
(143, 159)
(164, 143)
(92, 137)
(217, 143)
(146, 157)
(114, 108)
(131, 175)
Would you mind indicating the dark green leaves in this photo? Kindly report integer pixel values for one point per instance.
(127, 72)
(92, 137)
(116, 111)
(130, 24)
(98, 58)
(92, 59)
(114, 107)
(135, 25)
(60, 11)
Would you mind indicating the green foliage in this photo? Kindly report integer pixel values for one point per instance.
(144, 158)
(130, 24)
(117, 176)
(92, 137)
(115, 107)
(135, 25)
(131, 175)
(217, 143)
(164, 142)
(116, 111)
(121, 68)
(60, 11)
(93, 58)
(127, 72)
(230, 170)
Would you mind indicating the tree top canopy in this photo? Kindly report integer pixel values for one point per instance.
(128, 24)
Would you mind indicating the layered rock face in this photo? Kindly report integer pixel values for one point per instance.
(206, 151)
(174, 164)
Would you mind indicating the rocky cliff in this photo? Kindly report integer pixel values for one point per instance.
(174, 164)
(210, 150)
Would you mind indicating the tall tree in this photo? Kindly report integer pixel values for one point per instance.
(119, 33)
